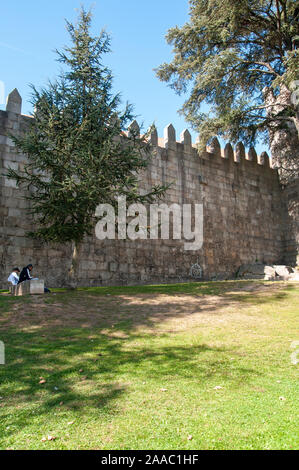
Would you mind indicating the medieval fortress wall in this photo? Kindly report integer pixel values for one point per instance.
(244, 208)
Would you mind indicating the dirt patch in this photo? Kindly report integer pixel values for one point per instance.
(174, 311)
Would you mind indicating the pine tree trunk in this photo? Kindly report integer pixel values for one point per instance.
(72, 280)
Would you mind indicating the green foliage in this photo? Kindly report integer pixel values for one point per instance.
(78, 153)
(225, 56)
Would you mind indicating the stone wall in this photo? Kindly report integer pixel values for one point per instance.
(245, 216)
(291, 236)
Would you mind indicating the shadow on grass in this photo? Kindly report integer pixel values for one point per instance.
(92, 373)
(55, 337)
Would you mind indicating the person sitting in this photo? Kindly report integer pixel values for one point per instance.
(25, 276)
(14, 276)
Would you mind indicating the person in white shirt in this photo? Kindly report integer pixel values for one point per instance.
(14, 276)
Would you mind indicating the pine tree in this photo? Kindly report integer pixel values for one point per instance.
(78, 153)
(240, 58)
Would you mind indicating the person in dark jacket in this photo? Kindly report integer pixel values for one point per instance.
(25, 273)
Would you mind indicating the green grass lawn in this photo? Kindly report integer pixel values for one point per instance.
(184, 366)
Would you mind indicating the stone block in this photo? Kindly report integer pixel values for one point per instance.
(123, 267)
(12, 212)
(34, 286)
(283, 271)
(294, 276)
(10, 183)
(10, 164)
(113, 266)
(14, 102)
(269, 273)
(12, 289)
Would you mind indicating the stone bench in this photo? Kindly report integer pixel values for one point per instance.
(34, 286)
(12, 289)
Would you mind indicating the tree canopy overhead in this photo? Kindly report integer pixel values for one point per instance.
(232, 55)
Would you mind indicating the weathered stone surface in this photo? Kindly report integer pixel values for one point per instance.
(14, 102)
(252, 155)
(246, 218)
(228, 152)
(252, 269)
(185, 138)
(294, 276)
(270, 273)
(34, 286)
(169, 136)
(239, 152)
(153, 136)
(214, 146)
(12, 289)
(134, 129)
(283, 271)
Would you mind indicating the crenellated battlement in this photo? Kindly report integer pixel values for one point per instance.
(169, 141)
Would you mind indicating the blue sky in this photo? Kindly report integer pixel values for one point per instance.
(31, 30)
